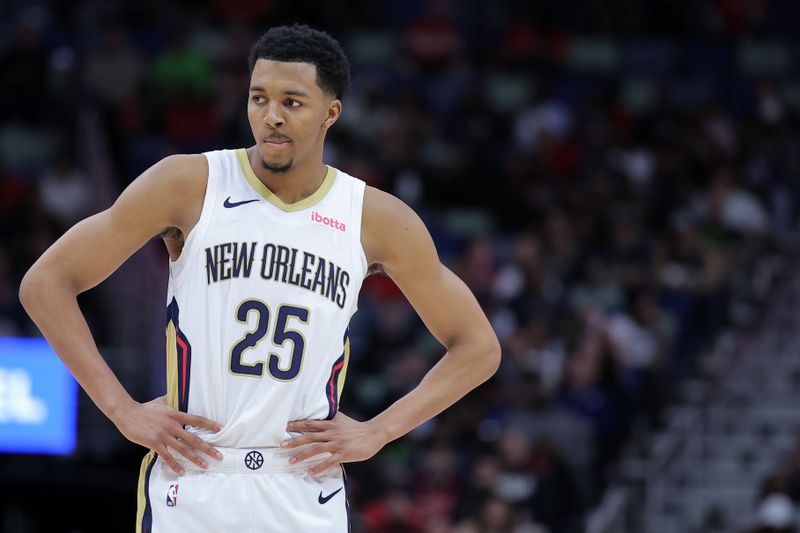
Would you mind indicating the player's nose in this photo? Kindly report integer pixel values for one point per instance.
(273, 116)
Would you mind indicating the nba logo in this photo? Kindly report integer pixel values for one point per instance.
(172, 496)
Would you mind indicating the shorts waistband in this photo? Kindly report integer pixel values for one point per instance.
(252, 461)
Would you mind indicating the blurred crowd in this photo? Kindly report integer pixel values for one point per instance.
(602, 210)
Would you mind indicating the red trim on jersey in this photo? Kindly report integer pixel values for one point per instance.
(333, 401)
(184, 358)
(331, 384)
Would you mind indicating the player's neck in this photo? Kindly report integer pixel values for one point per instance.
(294, 185)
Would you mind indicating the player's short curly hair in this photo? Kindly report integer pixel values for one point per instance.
(299, 43)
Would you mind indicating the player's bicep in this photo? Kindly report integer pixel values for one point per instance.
(405, 249)
(446, 305)
(95, 247)
(90, 251)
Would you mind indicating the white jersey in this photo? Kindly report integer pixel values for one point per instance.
(259, 303)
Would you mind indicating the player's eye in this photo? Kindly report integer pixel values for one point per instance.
(293, 103)
(258, 99)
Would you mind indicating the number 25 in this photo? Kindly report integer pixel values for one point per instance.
(279, 338)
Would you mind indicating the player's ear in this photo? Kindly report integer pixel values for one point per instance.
(334, 110)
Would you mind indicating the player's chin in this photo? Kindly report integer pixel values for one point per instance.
(274, 164)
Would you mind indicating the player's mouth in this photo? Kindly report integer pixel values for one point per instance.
(277, 142)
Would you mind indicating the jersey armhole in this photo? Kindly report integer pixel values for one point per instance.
(359, 256)
(177, 268)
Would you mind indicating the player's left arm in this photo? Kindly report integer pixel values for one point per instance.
(395, 238)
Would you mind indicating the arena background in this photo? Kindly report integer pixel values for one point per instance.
(617, 181)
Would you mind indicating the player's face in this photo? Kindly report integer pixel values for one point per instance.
(288, 112)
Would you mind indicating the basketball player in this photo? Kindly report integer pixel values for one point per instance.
(268, 248)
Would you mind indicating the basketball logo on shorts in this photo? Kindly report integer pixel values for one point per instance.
(172, 495)
(253, 460)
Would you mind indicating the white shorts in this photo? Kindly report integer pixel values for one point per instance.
(249, 491)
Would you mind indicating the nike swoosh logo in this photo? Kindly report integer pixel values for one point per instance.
(230, 204)
(324, 499)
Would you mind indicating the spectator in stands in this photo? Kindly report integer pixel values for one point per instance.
(66, 193)
(776, 514)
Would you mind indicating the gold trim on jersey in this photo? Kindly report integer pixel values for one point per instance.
(343, 373)
(141, 498)
(271, 197)
(172, 366)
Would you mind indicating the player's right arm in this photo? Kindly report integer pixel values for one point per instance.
(168, 194)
